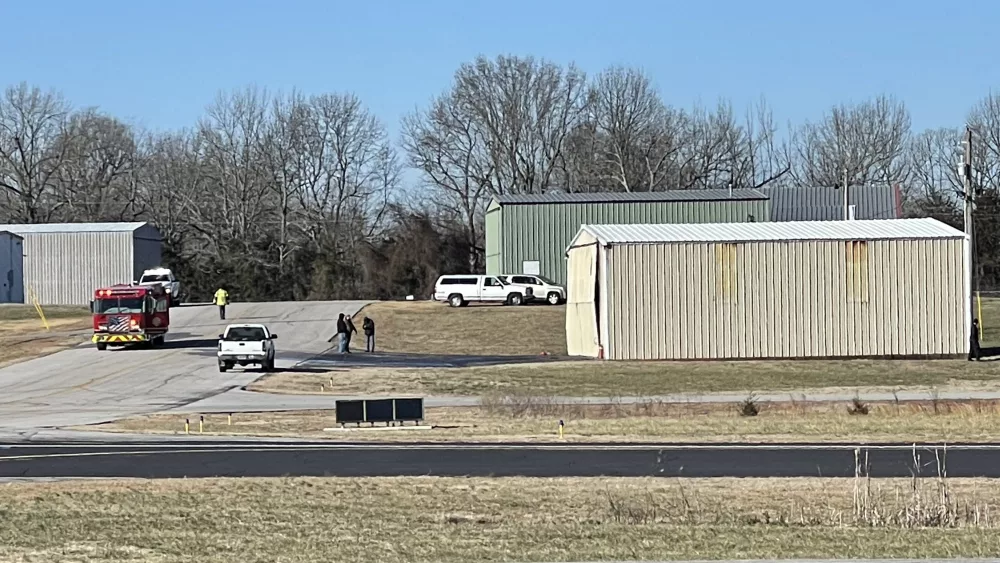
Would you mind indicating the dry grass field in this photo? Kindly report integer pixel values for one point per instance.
(23, 336)
(623, 379)
(513, 519)
(534, 419)
(426, 327)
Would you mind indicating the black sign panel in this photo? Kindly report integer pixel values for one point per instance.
(379, 410)
(409, 409)
(350, 411)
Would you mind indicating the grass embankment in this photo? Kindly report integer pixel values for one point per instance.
(425, 327)
(435, 329)
(511, 519)
(615, 379)
(23, 336)
(536, 420)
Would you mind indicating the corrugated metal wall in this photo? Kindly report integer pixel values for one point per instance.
(543, 231)
(66, 268)
(494, 217)
(11, 269)
(147, 248)
(786, 299)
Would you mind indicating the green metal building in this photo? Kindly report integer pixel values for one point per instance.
(529, 233)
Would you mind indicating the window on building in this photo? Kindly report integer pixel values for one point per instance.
(726, 273)
(857, 271)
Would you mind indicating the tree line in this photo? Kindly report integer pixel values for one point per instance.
(294, 196)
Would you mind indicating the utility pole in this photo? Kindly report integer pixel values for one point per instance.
(968, 201)
(846, 213)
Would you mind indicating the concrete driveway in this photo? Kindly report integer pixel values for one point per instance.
(85, 386)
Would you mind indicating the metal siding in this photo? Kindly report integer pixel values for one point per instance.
(890, 229)
(543, 232)
(65, 268)
(147, 250)
(791, 299)
(494, 219)
(11, 269)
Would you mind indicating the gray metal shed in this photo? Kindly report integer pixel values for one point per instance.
(11, 268)
(65, 262)
(827, 204)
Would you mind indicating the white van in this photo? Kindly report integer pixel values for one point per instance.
(460, 290)
(543, 287)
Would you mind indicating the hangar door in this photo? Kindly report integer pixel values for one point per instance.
(582, 301)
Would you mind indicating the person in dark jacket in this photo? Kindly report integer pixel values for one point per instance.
(974, 351)
(342, 333)
(368, 326)
(350, 329)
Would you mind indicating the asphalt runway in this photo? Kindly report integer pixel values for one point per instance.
(86, 386)
(277, 459)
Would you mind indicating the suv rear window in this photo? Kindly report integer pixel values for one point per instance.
(459, 281)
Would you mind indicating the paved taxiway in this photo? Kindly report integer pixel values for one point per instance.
(215, 458)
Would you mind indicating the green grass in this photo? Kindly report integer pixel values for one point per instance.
(514, 519)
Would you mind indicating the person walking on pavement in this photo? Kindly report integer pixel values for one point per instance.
(368, 326)
(347, 335)
(221, 300)
(974, 350)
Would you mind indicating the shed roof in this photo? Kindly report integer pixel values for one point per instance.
(886, 229)
(8, 233)
(73, 227)
(827, 203)
(631, 197)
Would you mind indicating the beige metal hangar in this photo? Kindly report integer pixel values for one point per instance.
(816, 289)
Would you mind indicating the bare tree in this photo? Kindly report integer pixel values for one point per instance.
(867, 140)
(30, 123)
(97, 181)
(639, 136)
(445, 144)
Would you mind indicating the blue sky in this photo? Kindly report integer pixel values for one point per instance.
(160, 63)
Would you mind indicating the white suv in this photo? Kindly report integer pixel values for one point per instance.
(541, 286)
(460, 290)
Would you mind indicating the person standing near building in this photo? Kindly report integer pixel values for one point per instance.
(221, 300)
(368, 326)
(974, 351)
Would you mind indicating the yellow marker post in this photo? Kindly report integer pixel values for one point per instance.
(229, 419)
(561, 425)
(38, 309)
(187, 426)
(201, 425)
(979, 306)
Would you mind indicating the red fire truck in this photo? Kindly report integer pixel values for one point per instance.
(130, 314)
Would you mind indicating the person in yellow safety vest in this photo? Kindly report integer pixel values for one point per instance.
(222, 299)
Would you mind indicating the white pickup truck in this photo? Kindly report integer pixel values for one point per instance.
(163, 277)
(460, 290)
(246, 344)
